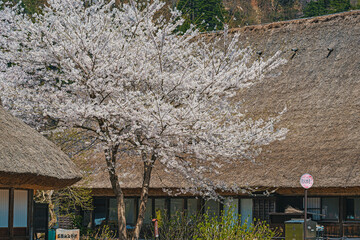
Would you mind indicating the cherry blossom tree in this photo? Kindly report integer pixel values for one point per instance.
(126, 75)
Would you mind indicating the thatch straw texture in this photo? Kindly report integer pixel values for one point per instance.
(320, 86)
(29, 160)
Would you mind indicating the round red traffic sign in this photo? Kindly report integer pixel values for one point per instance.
(306, 181)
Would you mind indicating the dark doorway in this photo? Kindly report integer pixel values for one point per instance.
(41, 216)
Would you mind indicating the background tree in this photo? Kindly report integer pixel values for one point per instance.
(132, 82)
(67, 202)
(206, 15)
(322, 7)
(30, 6)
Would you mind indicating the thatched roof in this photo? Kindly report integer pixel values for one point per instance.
(320, 86)
(29, 160)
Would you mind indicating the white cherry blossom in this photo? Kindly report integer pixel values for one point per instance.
(126, 75)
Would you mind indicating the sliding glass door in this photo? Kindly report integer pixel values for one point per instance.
(14, 213)
(4, 212)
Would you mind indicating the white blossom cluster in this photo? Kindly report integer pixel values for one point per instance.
(126, 74)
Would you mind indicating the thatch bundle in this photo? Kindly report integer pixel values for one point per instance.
(29, 160)
(320, 86)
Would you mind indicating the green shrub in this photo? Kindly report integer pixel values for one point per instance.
(322, 7)
(228, 226)
(178, 226)
(102, 233)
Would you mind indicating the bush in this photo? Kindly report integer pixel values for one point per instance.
(322, 7)
(228, 226)
(179, 226)
(102, 233)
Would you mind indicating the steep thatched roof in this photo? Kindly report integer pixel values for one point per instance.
(29, 160)
(320, 86)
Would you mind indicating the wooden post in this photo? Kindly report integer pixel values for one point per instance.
(29, 230)
(305, 214)
(167, 207)
(47, 223)
(186, 204)
(341, 215)
(11, 213)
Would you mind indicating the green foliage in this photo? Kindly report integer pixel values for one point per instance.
(77, 223)
(65, 202)
(206, 15)
(315, 9)
(178, 226)
(229, 227)
(205, 227)
(30, 6)
(71, 199)
(103, 233)
(322, 7)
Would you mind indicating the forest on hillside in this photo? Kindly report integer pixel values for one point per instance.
(212, 14)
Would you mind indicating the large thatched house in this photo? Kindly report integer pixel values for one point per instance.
(28, 161)
(320, 86)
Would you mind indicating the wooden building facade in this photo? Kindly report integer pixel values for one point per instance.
(28, 161)
(339, 214)
(320, 87)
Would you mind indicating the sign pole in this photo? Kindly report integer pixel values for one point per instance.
(305, 214)
(306, 182)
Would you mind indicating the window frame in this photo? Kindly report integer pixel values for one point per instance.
(321, 209)
(346, 219)
(339, 210)
(12, 230)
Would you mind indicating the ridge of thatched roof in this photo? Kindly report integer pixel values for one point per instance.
(29, 160)
(299, 23)
(320, 86)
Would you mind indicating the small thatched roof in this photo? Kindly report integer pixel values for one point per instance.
(29, 160)
(320, 86)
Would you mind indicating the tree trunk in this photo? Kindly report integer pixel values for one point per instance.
(53, 218)
(110, 156)
(148, 166)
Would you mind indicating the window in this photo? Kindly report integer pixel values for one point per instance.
(192, 206)
(4, 208)
(160, 207)
(148, 211)
(353, 208)
(231, 204)
(314, 206)
(330, 208)
(112, 209)
(20, 208)
(130, 210)
(176, 206)
(262, 207)
(246, 208)
(323, 208)
(99, 211)
(212, 208)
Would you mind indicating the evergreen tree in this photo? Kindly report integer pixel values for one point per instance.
(30, 6)
(322, 7)
(207, 15)
(339, 6)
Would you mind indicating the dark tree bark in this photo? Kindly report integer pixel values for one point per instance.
(148, 166)
(110, 156)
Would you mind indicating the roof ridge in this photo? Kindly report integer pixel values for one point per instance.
(311, 20)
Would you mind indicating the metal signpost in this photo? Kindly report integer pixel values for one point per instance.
(306, 182)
